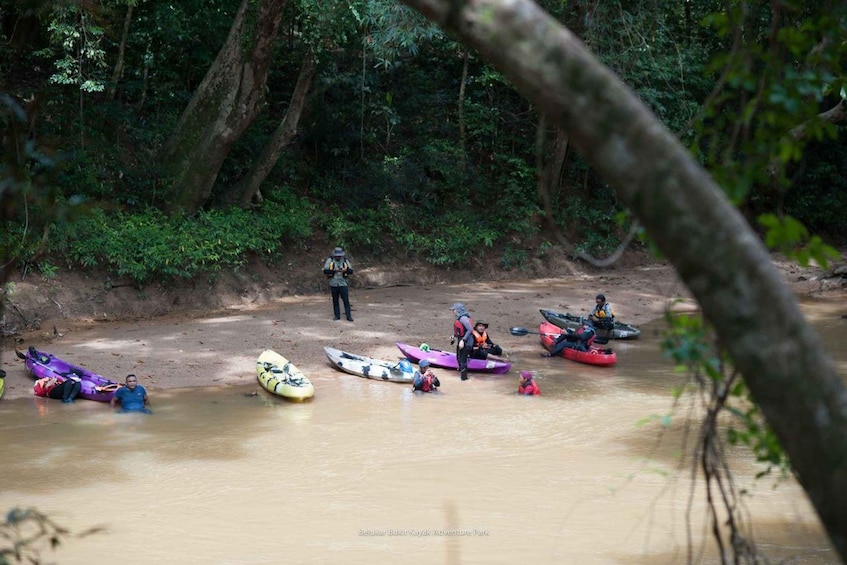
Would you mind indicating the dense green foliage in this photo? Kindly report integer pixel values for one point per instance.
(391, 151)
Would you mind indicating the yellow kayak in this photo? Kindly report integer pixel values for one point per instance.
(279, 376)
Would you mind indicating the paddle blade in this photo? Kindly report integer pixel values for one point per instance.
(519, 331)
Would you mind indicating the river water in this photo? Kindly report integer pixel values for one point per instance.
(368, 472)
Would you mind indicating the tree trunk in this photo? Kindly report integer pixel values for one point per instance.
(119, 65)
(223, 106)
(717, 255)
(462, 86)
(249, 186)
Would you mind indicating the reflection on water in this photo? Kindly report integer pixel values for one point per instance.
(369, 472)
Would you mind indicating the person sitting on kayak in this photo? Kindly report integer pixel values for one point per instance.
(527, 385)
(58, 388)
(581, 340)
(482, 345)
(602, 316)
(425, 380)
(133, 398)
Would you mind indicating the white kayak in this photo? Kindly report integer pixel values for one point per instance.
(377, 369)
(280, 376)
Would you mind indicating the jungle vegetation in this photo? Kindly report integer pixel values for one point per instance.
(183, 137)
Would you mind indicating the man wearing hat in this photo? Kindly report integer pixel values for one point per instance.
(463, 331)
(337, 268)
(483, 346)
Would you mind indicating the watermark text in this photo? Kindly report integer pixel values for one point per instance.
(426, 532)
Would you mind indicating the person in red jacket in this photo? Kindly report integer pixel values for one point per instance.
(59, 388)
(424, 379)
(528, 386)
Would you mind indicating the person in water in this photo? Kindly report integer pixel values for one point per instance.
(527, 385)
(425, 380)
(65, 389)
(133, 397)
(462, 331)
(581, 340)
(482, 344)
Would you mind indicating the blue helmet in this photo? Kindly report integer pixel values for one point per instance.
(405, 366)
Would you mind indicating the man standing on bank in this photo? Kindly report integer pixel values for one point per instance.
(337, 268)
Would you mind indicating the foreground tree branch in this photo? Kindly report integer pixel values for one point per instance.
(717, 255)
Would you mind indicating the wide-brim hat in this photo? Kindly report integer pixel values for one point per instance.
(481, 323)
(338, 252)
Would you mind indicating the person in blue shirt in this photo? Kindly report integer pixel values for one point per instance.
(133, 398)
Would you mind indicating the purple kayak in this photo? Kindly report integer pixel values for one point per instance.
(93, 386)
(447, 360)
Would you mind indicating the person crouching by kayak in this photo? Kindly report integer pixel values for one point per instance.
(133, 398)
(527, 385)
(425, 380)
(581, 340)
(58, 388)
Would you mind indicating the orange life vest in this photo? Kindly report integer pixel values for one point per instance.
(481, 339)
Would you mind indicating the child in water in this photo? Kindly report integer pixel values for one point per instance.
(425, 380)
(527, 385)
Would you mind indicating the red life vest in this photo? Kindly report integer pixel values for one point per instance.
(39, 388)
(529, 388)
(590, 340)
(458, 328)
(425, 383)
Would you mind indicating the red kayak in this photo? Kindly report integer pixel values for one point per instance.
(594, 356)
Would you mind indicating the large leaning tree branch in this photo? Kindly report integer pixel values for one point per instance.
(835, 115)
(718, 256)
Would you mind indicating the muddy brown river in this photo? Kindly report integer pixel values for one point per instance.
(368, 472)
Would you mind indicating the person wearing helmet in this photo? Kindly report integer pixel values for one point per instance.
(602, 316)
(527, 385)
(425, 380)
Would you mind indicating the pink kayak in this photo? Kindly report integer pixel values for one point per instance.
(447, 360)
